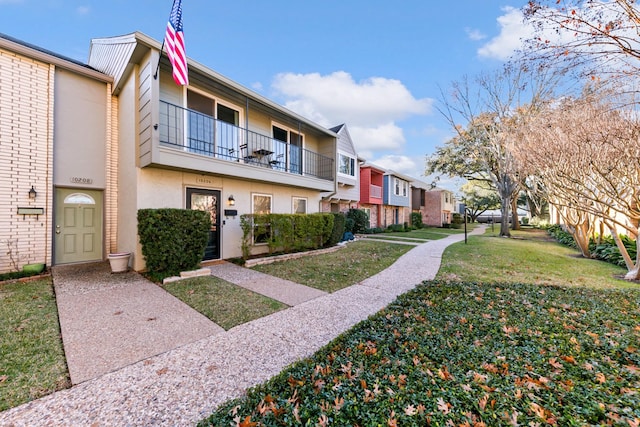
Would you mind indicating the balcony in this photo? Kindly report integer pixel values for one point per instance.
(375, 192)
(193, 132)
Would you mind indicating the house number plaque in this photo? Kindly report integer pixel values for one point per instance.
(81, 180)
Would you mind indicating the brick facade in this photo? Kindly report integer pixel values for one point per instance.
(26, 146)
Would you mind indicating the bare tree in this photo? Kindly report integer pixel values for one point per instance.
(595, 38)
(586, 155)
(493, 108)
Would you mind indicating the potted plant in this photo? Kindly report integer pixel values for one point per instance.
(119, 261)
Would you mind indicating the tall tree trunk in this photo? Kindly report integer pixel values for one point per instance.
(632, 267)
(504, 220)
(515, 221)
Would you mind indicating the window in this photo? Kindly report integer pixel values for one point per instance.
(299, 205)
(368, 212)
(261, 206)
(346, 165)
(400, 187)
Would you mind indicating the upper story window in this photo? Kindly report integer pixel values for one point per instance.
(346, 165)
(400, 187)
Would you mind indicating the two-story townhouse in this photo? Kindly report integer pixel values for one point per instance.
(371, 182)
(419, 191)
(396, 197)
(212, 145)
(347, 194)
(440, 207)
(56, 145)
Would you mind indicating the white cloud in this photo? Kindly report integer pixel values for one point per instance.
(475, 34)
(402, 164)
(513, 31)
(370, 108)
(257, 86)
(83, 10)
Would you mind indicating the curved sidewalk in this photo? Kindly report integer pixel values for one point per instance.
(184, 385)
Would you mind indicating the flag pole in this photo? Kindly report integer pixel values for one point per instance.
(155, 75)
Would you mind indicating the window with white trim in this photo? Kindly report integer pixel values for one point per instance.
(261, 205)
(299, 205)
(400, 187)
(346, 165)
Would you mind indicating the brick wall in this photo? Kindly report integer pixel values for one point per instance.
(26, 146)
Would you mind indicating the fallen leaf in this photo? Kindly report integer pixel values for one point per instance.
(3, 378)
(443, 406)
(601, 378)
(247, 422)
(410, 410)
(162, 371)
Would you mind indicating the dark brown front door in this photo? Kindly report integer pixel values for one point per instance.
(209, 201)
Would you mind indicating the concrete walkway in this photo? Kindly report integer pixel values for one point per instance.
(185, 384)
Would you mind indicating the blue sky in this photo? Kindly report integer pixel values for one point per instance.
(377, 66)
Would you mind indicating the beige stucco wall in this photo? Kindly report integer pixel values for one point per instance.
(80, 131)
(161, 188)
(26, 141)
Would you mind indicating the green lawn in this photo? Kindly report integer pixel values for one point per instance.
(224, 303)
(530, 257)
(336, 270)
(492, 350)
(32, 362)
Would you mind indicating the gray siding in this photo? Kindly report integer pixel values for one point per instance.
(145, 110)
(111, 56)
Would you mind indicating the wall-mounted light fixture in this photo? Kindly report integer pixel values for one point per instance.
(232, 201)
(32, 193)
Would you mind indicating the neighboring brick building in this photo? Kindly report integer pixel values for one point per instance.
(439, 207)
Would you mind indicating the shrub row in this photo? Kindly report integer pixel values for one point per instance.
(173, 240)
(605, 249)
(288, 232)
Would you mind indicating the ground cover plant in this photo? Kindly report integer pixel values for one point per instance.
(467, 354)
(475, 352)
(31, 353)
(336, 270)
(222, 302)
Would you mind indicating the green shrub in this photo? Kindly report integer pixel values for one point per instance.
(609, 252)
(374, 230)
(416, 220)
(360, 218)
(349, 224)
(339, 220)
(395, 228)
(562, 236)
(173, 240)
(286, 232)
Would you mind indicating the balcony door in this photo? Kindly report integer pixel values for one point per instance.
(208, 201)
(200, 133)
(294, 143)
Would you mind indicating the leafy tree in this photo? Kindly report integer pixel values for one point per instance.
(494, 112)
(479, 197)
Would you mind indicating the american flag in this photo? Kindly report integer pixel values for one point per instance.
(174, 40)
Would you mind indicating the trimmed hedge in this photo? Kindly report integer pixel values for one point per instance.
(339, 220)
(173, 240)
(286, 232)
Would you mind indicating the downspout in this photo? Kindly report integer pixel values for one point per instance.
(335, 178)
